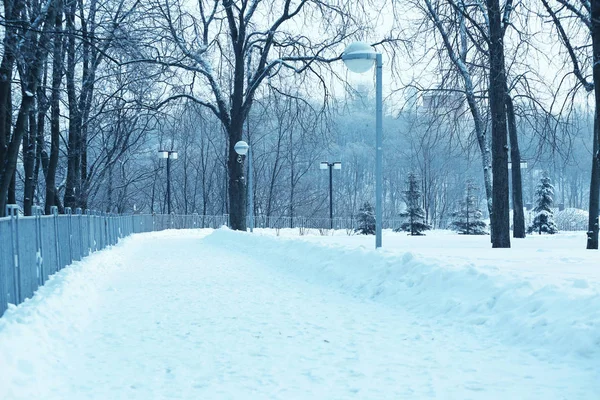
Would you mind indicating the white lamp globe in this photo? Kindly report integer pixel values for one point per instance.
(241, 148)
(359, 57)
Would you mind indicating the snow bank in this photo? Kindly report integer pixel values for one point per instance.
(65, 303)
(544, 317)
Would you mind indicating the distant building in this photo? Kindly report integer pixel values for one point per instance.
(443, 101)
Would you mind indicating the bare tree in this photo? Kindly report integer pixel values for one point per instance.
(463, 59)
(499, 221)
(51, 160)
(27, 44)
(226, 49)
(585, 13)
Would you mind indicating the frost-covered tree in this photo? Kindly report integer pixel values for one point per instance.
(414, 214)
(221, 52)
(544, 218)
(366, 220)
(467, 220)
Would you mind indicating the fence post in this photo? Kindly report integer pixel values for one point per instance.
(99, 230)
(114, 220)
(54, 212)
(37, 212)
(106, 240)
(114, 223)
(69, 223)
(80, 222)
(89, 219)
(109, 228)
(12, 210)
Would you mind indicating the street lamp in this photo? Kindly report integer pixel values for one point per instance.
(359, 57)
(168, 155)
(331, 166)
(242, 148)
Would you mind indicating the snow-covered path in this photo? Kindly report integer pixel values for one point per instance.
(178, 316)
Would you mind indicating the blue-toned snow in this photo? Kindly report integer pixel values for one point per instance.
(229, 315)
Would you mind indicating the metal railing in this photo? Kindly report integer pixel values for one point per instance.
(33, 248)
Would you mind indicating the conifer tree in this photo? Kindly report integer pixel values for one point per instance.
(467, 220)
(414, 214)
(366, 220)
(544, 218)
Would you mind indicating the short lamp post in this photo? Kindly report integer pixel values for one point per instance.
(243, 149)
(331, 166)
(359, 57)
(168, 155)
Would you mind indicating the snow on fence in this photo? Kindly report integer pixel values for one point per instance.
(33, 248)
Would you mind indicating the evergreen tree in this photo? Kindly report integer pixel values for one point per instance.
(544, 218)
(366, 220)
(468, 219)
(414, 213)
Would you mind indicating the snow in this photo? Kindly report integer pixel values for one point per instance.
(222, 315)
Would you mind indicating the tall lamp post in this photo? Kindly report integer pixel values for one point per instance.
(359, 57)
(331, 166)
(242, 148)
(168, 155)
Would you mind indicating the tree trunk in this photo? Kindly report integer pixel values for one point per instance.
(29, 142)
(292, 187)
(592, 240)
(13, 151)
(237, 181)
(109, 189)
(32, 56)
(500, 207)
(517, 183)
(57, 66)
(11, 12)
(12, 188)
(274, 173)
(41, 125)
(73, 151)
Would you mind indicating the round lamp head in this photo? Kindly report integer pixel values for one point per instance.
(359, 57)
(241, 148)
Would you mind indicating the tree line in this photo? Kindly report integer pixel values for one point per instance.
(90, 91)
